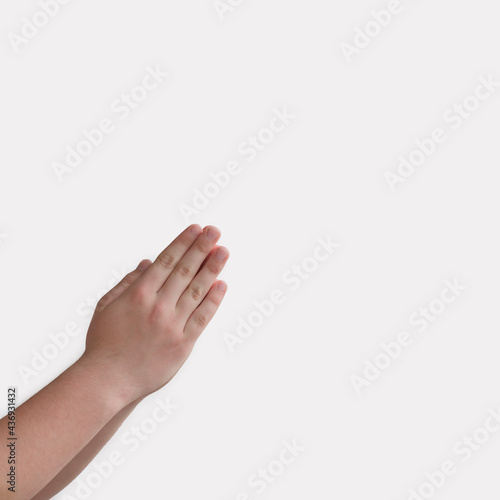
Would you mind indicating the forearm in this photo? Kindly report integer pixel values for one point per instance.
(141, 333)
(58, 422)
(86, 455)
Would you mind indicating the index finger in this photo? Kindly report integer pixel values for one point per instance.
(157, 273)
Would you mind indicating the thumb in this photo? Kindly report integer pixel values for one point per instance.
(121, 287)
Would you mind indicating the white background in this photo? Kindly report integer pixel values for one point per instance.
(63, 242)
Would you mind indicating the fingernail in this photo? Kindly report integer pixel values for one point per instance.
(220, 254)
(212, 234)
(221, 286)
(143, 265)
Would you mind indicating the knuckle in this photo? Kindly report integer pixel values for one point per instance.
(201, 320)
(214, 300)
(129, 278)
(195, 291)
(213, 267)
(139, 295)
(183, 271)
(203, 247)
(177, 339)
(102, 302)
(158, 312)
(185, 347)
(166, 260)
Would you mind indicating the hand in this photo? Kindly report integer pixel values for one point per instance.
(144, 329)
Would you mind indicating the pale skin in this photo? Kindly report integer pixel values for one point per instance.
(142, 332)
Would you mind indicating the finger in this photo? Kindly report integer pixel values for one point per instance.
(120, 288)
(201, 283)
(167, 260)
(189, 265)
(203, 314)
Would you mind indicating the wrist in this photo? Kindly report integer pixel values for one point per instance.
(114, 392)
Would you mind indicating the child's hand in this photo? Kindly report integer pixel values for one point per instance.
(145, 328)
